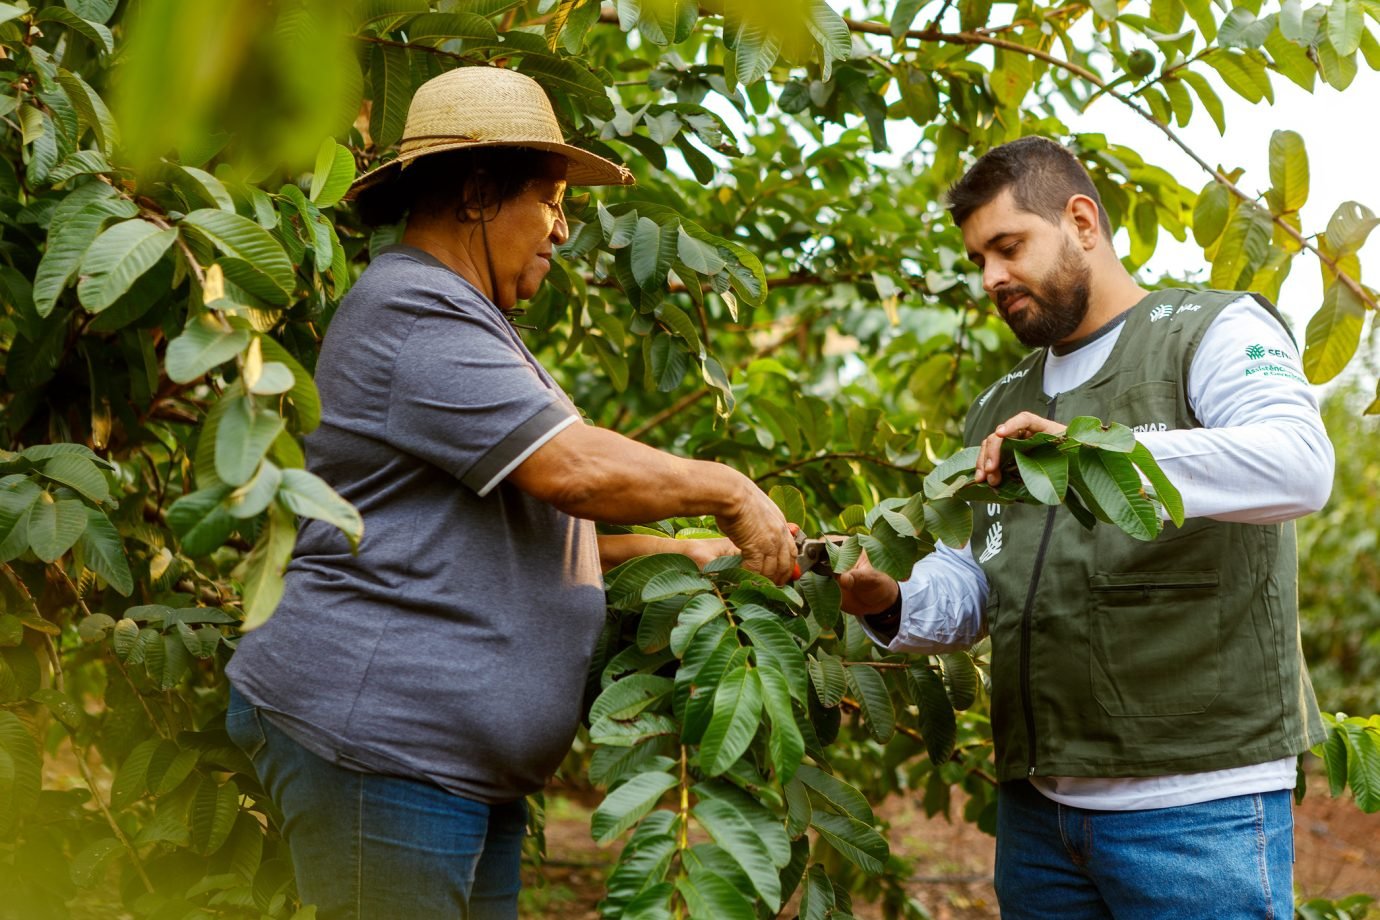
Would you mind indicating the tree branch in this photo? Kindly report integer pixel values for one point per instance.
(837, 455)
(977, 38)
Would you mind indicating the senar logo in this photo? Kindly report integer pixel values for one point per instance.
(1163, 311)
(1255, 352)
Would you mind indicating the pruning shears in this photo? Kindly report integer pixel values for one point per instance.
(811, 555)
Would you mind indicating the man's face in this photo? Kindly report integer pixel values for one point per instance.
(1033, 270)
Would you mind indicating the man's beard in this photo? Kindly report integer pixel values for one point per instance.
(1058, 308)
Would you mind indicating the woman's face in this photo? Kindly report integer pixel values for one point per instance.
(522, 235)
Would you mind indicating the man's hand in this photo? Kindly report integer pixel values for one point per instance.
(759, 530)
(867, 591)
(1018, 426)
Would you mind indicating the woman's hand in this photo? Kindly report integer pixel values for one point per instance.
(759, 528)
(705, 550)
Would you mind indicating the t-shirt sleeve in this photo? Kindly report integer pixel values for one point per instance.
(466, 397)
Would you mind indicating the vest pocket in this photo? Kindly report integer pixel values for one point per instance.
(1153, 639)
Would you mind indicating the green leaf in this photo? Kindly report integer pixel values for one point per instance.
(335, 170)
(627, 804)
(826, 673)
(732, 832)
(303, 395)
(88, 866)
(1244, 73)
(938, 725)
(451, 25)
(834, 37)
(1208, 97)
(390, 71)
(950, 520)
(310, 496)
(668, 584)
(1345, 23)
(77, 473)
(647, 266)
(698, 255)
(254, 496)
(1349, 226)
(1112, 436)
(1045, 472)
(1334, 755)
(626, 698)
(200, 521)
(70, 235)
(256, 261)
(699, 611)
(961, 677)
(879, 716)
(774, 646)
(104, 553)
(117, 258)
(21, 779)
(835, 793)
(94, 32)
(245, 433)
(1164, 490)
(1210, 213)
(625, 583)
(1333, 333)
(737, 712)
(903, 15)
(786, 746)
(131, 779)
(1289, 169)
(203, 345)
(55, 526)
(1241, 29)
(709, 895)
(1110, 482)
(1363, 763)
(854, 840)
(214, 810)
(263, 567)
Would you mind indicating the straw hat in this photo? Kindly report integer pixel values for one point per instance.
(488, 107)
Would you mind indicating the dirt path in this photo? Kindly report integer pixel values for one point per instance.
(1337, 850)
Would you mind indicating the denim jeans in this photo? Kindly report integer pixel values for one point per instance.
(1222, 860)
(372, 847)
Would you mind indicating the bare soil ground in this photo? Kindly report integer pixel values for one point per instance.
(1337, 853)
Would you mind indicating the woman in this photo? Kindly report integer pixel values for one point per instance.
(402, 700)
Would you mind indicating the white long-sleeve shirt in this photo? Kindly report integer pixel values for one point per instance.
(1262, 456)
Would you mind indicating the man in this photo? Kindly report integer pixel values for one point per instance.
(1148, 699)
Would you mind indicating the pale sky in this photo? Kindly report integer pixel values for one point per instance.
(1341, 132)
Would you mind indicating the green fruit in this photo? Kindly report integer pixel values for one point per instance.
(1141, 63)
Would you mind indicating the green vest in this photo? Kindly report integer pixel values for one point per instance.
(1116, 657)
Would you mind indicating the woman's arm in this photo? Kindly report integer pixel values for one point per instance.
(615, 549)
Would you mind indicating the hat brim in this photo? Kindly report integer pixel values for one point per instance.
(585, 168)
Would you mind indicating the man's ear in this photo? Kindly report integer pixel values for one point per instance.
(1082, 212)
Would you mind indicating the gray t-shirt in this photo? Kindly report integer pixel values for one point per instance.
(454, 646)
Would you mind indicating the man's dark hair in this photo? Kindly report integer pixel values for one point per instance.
(466, 181)
(1041, 174)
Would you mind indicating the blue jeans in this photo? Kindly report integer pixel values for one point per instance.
(372, 847)
(1223, 860)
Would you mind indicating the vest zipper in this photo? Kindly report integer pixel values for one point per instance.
(1028, 710)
